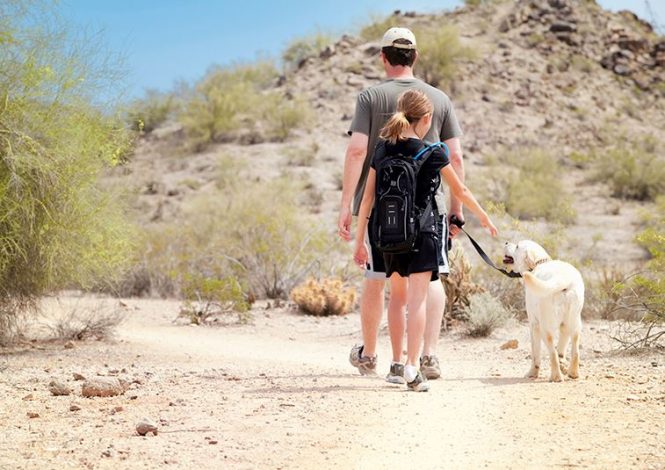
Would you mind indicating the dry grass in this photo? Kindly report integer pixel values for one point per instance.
(80, 323)
(459, 286)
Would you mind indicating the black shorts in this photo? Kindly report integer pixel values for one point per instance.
(424, 257)
(376, 265)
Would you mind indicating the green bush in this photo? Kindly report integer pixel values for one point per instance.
(303, 48)
(232, 102)
(59, 227)
(207, 297)
(440, 49)
(149, 112)
(634, 170)
(534, 190)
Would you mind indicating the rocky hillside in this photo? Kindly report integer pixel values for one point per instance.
(560, 76)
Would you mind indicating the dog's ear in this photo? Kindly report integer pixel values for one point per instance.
(530, 257)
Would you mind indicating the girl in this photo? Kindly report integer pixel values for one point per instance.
(413, 271)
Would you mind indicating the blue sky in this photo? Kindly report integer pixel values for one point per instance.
(167, 40)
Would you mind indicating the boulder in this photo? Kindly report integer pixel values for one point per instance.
(103, 387)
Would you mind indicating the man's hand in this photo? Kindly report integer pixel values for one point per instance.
(344, 224)
(452, 228)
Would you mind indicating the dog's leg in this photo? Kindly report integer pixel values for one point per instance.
(535, 352)
(564, 336)
(574, 370)
(555, 367)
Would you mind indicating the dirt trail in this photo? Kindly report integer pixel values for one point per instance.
(281, 394)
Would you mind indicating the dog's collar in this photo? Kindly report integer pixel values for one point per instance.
(539, 262)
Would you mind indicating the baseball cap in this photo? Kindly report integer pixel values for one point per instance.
(393, 34)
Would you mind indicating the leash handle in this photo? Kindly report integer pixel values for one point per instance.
(460, 223)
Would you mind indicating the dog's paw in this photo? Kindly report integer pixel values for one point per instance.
(563, 368)
(533, 373)
(556, 377)
(573, 374)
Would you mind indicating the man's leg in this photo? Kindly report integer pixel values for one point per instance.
(371, 311)
(436, 302)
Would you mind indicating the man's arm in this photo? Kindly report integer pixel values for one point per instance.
(356, 152)
(457, 163)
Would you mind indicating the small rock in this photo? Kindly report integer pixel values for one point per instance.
(633, 398)
(654, 364)
(103, 387)
(74, 407)
(563, 27)
(146, 426)
(32, 414)
(78, 376)
(212, 442)
(511, 344)
(609, 376)
(69, 345)
(58, 388)
(117, 409)
(29, 396)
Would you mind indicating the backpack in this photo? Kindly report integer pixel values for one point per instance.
(397, 221)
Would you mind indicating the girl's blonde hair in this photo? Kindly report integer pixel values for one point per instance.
(412, 106)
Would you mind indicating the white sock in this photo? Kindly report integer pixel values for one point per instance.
(410, 373)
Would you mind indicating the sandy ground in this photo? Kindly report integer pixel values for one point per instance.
(279, 393)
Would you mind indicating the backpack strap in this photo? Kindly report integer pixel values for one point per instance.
(429, 147)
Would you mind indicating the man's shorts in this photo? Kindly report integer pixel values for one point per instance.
(376, 268)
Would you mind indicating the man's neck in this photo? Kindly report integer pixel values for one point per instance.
(400, 72)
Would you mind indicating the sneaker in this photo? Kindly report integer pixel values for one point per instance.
(419, 384)
(366, 365)
(396, 374)
(429, 365)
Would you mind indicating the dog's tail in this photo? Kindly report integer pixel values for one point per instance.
(548, 287)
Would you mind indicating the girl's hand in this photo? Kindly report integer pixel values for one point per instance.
(487, 223)
(360, 255)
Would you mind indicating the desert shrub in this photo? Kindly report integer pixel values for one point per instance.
(207, 297)
(80, 323)
(531, 188)
(148, 113)
(485, 314)
(235, 102)
(281, 115)
(303, 48)
(606, 294)
(634, 170)
(459, 286)
(440, 50)
(254, 231)
(375, 30)
(324, 297)
(59, 226)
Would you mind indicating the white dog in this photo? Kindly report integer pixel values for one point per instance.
(554, 299)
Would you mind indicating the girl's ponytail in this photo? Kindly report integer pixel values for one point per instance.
(395, 127)
(412, 105)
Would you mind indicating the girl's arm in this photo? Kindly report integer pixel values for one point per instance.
(460, 191)
(360, 255)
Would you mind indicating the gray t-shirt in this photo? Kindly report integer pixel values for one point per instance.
(376, 104)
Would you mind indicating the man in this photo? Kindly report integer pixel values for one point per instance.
(373, 107)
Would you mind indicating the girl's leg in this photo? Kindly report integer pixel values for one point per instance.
(397, 314)
(416, 301)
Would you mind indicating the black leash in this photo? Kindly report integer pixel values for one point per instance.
(459, 223)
